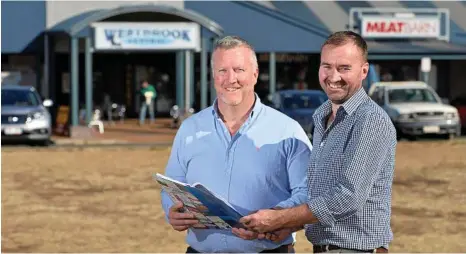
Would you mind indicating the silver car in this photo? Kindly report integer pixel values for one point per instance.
(25, 116)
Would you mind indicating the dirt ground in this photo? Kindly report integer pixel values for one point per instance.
(104, 200)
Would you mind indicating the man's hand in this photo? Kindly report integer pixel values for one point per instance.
(246, 234)
(180, 221)
(263, 221)
(277, 236)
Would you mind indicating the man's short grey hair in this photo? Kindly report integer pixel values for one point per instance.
(230, 42)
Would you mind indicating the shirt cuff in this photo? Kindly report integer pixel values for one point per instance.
(320, 210)
(285, 204)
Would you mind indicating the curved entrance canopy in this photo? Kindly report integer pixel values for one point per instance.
(184, 63)
(76, 24)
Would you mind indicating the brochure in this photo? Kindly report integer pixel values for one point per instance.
(212, 211)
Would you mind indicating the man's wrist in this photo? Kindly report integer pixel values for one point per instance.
(281, 217)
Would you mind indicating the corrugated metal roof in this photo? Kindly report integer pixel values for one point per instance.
(268, 30)
(334, 15)
(22, 25)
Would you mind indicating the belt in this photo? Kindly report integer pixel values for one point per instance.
(325, 248)
(288, 248)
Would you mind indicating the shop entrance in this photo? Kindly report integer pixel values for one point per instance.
(119, 76)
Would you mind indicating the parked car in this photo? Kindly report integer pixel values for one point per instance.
(299, 105)
(460, 104)
(25, 117)
(416, 109)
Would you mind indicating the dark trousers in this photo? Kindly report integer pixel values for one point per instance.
(282, 249)
(327, 248)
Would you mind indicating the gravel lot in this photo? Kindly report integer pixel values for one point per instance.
(104, 200)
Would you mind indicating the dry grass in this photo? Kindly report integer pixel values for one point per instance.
(104, 200)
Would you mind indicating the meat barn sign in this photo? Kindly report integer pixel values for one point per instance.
(394, 27)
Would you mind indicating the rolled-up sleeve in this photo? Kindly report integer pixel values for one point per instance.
(367, 150)
(175, 168)
(299, 152)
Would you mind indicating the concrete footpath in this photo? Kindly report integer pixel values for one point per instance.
(128, 133)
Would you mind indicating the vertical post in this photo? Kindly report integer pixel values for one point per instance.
(187, 79)
(180, 79)
(45, 86)
(89, 88)
(38, 68)
(191, 77)
(74, 81)
(425, 76)
(136, 87)
(52, 84)
(272, 73)
(204, 73)
(213, 93)
(426, 64)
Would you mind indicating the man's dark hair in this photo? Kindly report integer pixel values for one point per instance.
(343, 37)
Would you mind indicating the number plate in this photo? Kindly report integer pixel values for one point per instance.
(431, 129)
(13, 131)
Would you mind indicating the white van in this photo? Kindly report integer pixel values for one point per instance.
(416, 109)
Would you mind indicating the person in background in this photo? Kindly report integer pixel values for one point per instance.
(149, 94)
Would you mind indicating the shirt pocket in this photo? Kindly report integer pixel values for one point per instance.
(270, 163)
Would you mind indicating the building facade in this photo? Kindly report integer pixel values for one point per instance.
(78, 53)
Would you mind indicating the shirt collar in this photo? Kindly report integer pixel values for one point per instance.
(348, 106)
(254, 112)
(354, 101)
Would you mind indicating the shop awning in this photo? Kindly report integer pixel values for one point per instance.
(435, 49)
(267, 29)
(79, 24)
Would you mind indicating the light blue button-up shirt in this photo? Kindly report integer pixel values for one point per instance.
(262, 166)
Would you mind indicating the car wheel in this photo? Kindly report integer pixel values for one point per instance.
(412, 137)
(46, 142)
(449, 136)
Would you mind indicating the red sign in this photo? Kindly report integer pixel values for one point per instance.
(400, 27)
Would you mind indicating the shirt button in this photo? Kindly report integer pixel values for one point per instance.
(322, 144)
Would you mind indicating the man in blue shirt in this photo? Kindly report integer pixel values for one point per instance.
(250, 154)
(351, 170)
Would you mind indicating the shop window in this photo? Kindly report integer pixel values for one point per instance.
(293, 71)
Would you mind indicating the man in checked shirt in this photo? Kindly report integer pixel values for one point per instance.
(351, 170)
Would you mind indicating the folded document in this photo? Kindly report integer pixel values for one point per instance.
(212, 211)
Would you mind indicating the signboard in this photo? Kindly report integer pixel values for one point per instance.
(425, 64)
(147, 36)
(62, 121)
(400, 27)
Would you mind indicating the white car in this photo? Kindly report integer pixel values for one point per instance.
(25, 117)
(416, 109)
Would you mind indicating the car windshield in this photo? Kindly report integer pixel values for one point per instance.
(297, 101)
(13, 97)
(411, 95)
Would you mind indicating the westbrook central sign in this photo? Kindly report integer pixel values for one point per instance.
(146, 36)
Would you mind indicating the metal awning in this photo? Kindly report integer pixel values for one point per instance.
(268, 30)
(412, 49)
(78, 25)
